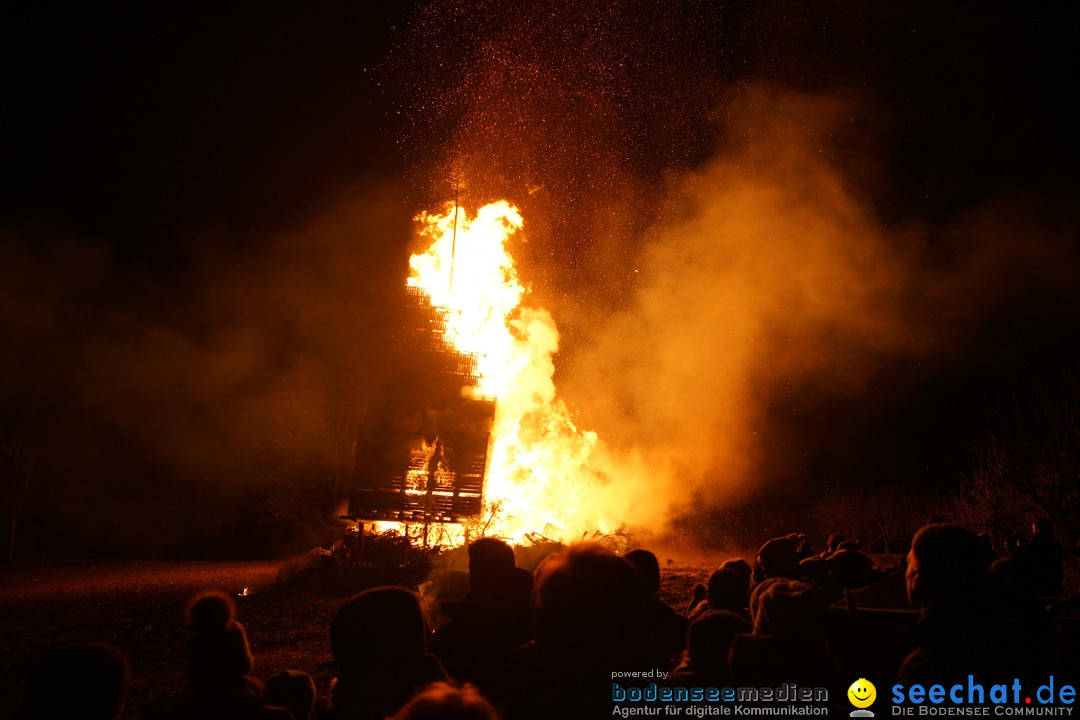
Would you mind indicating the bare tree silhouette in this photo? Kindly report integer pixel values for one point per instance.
(1028, 466)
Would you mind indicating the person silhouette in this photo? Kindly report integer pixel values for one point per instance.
(379, 642)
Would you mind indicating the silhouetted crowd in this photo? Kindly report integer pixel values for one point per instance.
(547, 644)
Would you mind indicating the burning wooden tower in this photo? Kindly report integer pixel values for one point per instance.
(423, 452)
(431, 449)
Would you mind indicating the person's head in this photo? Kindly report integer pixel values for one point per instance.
(80, 682)
(816, 570)
(778, 558)
(740, 567)
(490, 559)
(727, 590)
(945, 563)
(211, 611)
(790, 609)
(647, 566)
(378, 626)
(1042, 526)
(708, 639)
(586, 597)
(293, 690)
(441, 701)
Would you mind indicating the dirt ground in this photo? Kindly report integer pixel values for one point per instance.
(139, 608)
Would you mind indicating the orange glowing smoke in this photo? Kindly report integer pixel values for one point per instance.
(539, 470)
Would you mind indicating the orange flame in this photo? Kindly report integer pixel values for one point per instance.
(539, 462)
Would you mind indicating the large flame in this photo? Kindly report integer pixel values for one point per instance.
(539, 472)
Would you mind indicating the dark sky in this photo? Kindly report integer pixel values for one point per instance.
(141, 124)
(131, 122)
(203, 210)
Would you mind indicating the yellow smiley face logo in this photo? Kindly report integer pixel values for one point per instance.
(862, 693)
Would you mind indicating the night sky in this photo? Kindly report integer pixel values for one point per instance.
(205, 214)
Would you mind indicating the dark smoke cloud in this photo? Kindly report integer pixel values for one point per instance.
(167, 406)
(778, 323)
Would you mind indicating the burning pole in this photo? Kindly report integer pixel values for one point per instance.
(453, 242)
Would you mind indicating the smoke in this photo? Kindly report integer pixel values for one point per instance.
(777, 322)
(786, 244)
(210, 407)
(780, 258)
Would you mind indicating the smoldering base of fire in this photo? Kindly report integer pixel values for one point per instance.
(714, 711)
